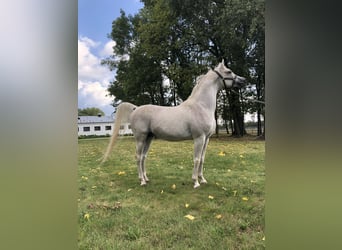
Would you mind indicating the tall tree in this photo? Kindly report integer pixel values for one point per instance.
(138, 78)
(227, 29)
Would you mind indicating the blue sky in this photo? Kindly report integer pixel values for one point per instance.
(94, 23)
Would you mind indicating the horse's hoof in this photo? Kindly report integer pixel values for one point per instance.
(196, 185)
(204, 181)
(143, 183)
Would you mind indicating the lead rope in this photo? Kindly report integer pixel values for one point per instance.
(247, 99)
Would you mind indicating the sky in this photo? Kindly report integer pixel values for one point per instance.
(94, 23)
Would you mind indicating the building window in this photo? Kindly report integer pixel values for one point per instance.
(129, 126)
(122, 127)
(86, 129)
(108, 128)
(97, 128)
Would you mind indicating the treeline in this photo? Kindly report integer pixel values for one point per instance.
(160, 51)
(90, 111)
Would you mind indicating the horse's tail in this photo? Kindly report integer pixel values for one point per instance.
(122, 116)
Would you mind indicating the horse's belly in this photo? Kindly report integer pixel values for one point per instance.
(172, 132)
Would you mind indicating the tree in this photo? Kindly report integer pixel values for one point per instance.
(139, 77)
(229, 29)
(90, 111)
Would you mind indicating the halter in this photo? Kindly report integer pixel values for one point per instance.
(224, 78)
(233, 78)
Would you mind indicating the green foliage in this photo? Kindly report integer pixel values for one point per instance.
(90, 111)
(115, 212)
(122, 31)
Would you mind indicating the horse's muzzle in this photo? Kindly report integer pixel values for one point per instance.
(239, 82)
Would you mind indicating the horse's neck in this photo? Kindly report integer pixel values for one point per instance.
(205, 93)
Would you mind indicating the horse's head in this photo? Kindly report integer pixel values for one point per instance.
(228, 77)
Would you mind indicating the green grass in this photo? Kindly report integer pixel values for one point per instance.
(124, 215)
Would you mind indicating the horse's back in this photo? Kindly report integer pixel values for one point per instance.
(172, 123)
(169, 123)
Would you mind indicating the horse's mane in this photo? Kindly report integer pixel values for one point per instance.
(195, 88)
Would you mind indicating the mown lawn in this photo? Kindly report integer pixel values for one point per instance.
(115, 212)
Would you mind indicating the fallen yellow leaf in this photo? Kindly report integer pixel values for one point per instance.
(187, 205)
(219, 216)
(162, 191)
(264, 238)
(211, 197)
(173, 186)
(121, 173)
(234, 192)
(86, 216)
(221, 153)
(189, 216)
(244, 198)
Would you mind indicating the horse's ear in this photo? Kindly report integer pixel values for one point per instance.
(222, 61)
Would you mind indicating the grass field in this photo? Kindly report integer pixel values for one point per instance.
(115, 212)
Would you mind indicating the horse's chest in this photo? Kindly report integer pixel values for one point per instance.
(212, 126)
(206, 127)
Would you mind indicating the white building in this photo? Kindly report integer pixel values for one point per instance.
(125, 129)
(100, 125)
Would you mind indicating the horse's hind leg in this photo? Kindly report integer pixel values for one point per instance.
(142, 145)
(145, 151)
(140, 160)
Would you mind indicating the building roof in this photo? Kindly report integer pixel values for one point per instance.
(95, 119)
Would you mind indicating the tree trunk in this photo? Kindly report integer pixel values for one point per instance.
(239, 127)
(264, 132)
(216, 122)
(259, 123)
(174, 94)
(226, 126)
(161, 92)
(261, 108)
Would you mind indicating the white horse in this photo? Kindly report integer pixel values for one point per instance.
(192, 119)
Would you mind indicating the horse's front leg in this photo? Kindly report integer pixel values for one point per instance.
(200, 168)
(198, 149)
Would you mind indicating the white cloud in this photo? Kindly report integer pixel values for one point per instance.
(108, 49)
(93, 78)
(89, 65)
(93, 94)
